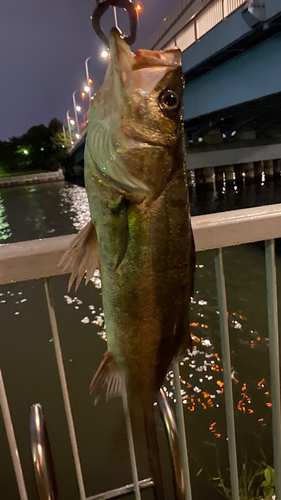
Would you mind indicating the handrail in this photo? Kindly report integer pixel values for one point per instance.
(167, 34)
(35, 259)
(174, 445)
(41, 455)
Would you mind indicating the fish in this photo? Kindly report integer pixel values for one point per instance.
(140, 234)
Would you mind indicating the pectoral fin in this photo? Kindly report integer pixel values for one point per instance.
(83, 255)
(119, 209)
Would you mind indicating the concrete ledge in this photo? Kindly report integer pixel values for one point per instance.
(21, 180)
(35, 259)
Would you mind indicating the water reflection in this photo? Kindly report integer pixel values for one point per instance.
(5, 230)
(74, 202)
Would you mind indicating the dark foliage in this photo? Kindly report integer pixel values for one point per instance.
(40, 148)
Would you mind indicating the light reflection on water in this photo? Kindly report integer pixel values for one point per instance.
(5, 230)
(74, 202)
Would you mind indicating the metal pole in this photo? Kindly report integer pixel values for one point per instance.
(144, 484)
(131, 444)
(222, 8)
(87, 77)
(68, 125)
(64, 389)
(41, 454)
(138, 18)
(174, 444)
(64, 134)
(272, 311)
(12, 440)
(115, 17)
(181, 427)
(227, 373)
(75, 111)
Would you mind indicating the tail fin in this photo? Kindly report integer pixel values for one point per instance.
(153, 449)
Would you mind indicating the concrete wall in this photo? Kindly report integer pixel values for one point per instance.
(22, 180)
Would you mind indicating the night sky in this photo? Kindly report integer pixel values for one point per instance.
(43, 47)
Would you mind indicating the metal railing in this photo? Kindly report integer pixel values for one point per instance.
(203, 21)
(39, 259)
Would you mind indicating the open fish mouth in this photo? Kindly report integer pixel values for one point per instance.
(145, 68)
(143, 58)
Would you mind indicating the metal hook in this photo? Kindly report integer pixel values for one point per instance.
(102, 6)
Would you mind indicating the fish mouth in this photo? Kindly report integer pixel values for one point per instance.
(143, 58)
(143, 70)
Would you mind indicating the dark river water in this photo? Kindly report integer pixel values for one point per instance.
(30, 373)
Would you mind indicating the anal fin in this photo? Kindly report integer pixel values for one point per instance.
(83, 255)
(107, 375)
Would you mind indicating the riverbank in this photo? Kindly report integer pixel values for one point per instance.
(36, 178)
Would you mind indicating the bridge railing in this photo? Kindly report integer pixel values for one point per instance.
(39, 260)
(205, 19)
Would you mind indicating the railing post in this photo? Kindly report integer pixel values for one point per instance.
(12, 440)
(64, 389)
(195, 28)
(131, 444)
(226, 361)
(182, 434)
(272, 311)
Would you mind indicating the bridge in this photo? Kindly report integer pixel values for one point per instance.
(231, 52)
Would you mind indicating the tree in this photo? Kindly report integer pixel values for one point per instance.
(40, 148)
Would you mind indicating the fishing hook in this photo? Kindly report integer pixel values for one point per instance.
(102, 6)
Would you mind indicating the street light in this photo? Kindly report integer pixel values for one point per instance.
(104, 54)
(138, 9)
(89, 80)
(75, 111)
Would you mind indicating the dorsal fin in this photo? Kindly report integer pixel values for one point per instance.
(82, 255)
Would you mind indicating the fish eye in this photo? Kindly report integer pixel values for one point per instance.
(168, 100)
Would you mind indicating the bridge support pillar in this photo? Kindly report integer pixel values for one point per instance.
(277, 168)
(249, 172)
(199, 176)
(268, 169)
(219, 175)
(209, 176)
(258, 168)
(238, 170)
(229, 170)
